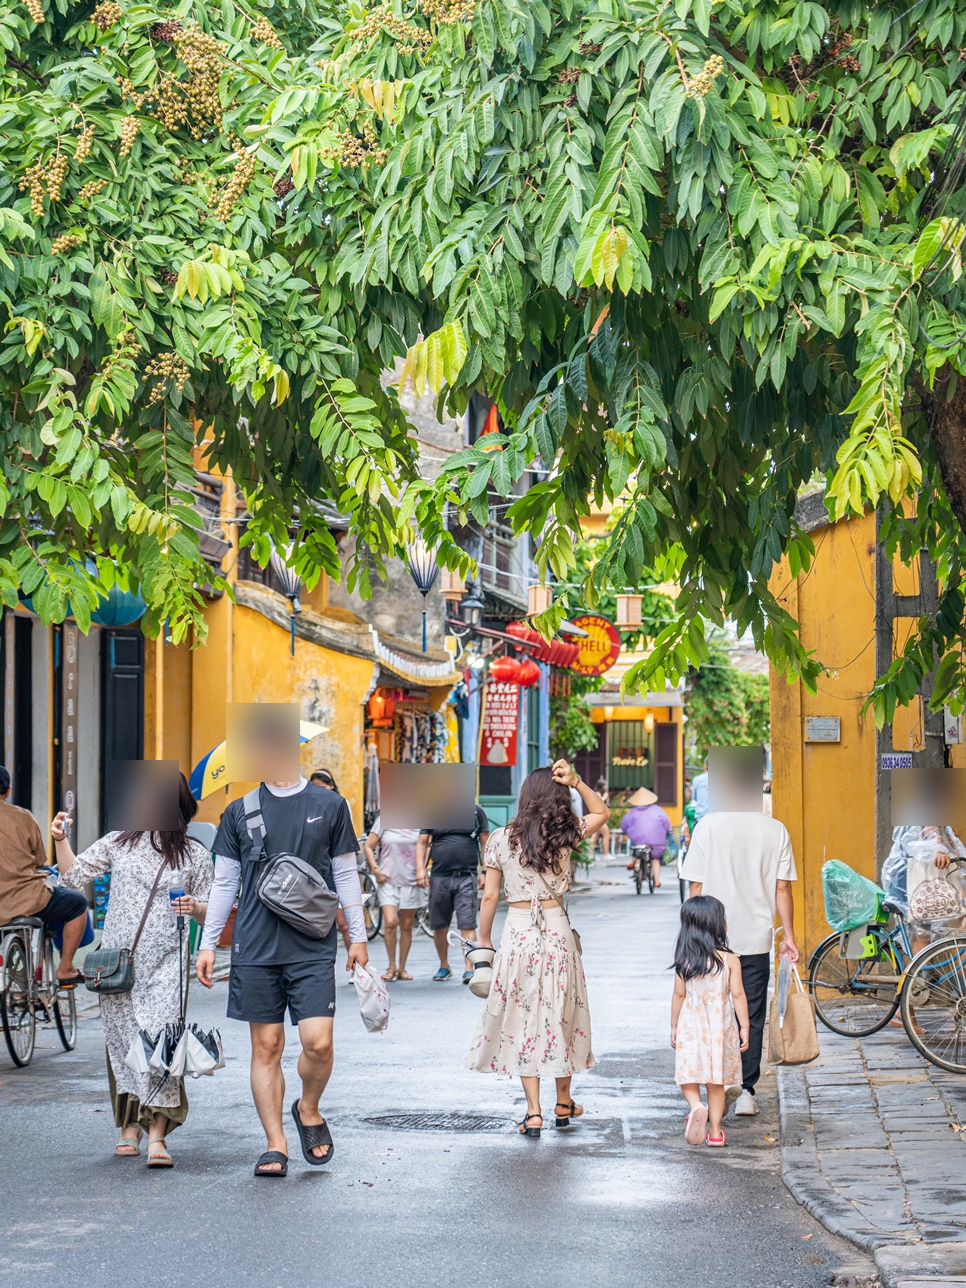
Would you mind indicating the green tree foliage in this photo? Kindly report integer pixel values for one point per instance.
(725, 707)
(695, 252)
(571, 728)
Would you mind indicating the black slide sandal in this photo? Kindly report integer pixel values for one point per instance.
(272, 1156)
(311, 1136)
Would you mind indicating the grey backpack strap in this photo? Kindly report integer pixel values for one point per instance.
(254, 822)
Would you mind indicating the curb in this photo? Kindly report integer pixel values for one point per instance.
(897, 1262)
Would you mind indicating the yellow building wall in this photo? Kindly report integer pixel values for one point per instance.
(825, 792)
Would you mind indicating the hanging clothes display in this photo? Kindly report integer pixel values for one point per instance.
(421, 737)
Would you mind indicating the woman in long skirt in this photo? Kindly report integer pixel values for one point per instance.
(143, 1102)
(536, 1023)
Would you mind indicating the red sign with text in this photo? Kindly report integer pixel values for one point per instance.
(498, 726)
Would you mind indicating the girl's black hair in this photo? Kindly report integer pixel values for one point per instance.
(702, 939)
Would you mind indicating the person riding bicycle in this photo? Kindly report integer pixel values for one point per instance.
(645, 823)
(24, 891)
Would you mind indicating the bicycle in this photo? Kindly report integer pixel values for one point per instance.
(642, 868)
(371, 907)
(858, 996)
(29, 986)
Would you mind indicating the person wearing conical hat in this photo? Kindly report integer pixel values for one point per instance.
(646, 823)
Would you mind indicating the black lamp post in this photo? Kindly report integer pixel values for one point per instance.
(424, 570)
(471, 609)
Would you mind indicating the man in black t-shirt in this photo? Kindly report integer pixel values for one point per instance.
(455, 857)
(273, 965)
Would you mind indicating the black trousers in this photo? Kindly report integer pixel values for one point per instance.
(755, 974)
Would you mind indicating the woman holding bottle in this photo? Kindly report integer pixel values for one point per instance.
(142, 864)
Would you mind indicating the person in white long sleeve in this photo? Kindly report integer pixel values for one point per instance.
(274, 966)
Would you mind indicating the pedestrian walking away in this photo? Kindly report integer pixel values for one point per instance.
(706, 1039)
(453, 884)
(391, 855)
(143, 1102)
(276, 966)
(744, 858)
(24, 891)
(536, 1020)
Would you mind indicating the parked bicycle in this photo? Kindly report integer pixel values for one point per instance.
(861, 978)
(30, 990)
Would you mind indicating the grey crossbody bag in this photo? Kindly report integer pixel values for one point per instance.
(287, 885)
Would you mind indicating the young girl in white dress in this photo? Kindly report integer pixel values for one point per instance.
(705, 1034)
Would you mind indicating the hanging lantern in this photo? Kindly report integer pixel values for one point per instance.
(280, 563)
(382, 706)
(529, 673)
(539, 599)
(505, 670)
(424, 570)
(629, 612)
(453, 586)
(649, 722)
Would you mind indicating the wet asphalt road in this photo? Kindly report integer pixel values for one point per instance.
(620, 1200)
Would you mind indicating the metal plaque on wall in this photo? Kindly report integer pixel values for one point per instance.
(823, 729)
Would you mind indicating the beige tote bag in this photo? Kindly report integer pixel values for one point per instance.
(793, 1038)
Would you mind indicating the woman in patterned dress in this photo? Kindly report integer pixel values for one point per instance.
(143, 1102)
(536, 1023)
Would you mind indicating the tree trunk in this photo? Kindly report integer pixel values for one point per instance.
(947, 418)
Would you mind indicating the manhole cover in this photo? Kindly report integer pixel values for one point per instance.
(439, 1122)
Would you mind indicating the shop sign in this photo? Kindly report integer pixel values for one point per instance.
(823, 729)
(68, 785)
(498, 726)
(897, 760)
(601, 648)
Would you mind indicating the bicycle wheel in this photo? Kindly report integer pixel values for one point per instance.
(638, 876)
(16, 1008)
(421, 921)
(933, 1002)
(849, 997)
(650, 877)
(372, 909)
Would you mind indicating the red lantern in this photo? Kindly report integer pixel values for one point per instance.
(529, 673)
(505, 670)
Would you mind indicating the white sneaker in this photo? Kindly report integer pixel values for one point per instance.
(731, 1095)
(746, 1106)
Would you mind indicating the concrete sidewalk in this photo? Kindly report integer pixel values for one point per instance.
(874, 1146)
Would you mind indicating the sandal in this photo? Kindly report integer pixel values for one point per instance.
(72, 980)
(313, 1136)
(573, 1111)
(532, 1132)
(695, 1125)
(716, 1142)
(158, 1155)
(390, 974)
(263, 1166)
(128, 1148)
(403, 974)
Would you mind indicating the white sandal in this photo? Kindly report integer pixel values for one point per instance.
(128, 1148)
(158, 1155)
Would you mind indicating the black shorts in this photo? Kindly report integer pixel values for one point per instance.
(63, 905)
(449, 893)
(260, 994)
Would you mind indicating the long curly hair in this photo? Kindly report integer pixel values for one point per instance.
(545, 828)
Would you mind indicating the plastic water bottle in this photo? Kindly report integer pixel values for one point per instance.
(176, 888)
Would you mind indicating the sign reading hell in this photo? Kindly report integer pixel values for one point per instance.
(498, 727)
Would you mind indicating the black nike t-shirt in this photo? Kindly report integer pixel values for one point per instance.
(457, 851)
(314, 824)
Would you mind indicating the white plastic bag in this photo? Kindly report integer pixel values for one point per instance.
(934, 894)
(373, 998)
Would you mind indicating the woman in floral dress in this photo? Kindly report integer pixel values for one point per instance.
(536, 1023)
(143, 1102)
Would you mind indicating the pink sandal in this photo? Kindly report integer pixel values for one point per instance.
(694, 1127)
(716, 1142)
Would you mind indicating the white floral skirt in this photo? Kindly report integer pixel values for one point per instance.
(536, 1022)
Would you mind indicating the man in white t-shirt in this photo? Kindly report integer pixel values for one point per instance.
(744, 858)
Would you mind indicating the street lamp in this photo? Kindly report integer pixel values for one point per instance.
(471, 609)
(424, 570)
(289, 580)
